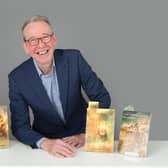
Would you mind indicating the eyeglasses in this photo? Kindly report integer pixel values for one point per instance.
(35, 41)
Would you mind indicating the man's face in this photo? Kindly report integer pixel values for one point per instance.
(40, 42)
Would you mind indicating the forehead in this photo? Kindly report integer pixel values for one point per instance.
(35, 29)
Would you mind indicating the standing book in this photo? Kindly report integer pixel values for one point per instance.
(99, 135)
(134, 133)
(4, 136)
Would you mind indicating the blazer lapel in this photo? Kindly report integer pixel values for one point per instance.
(62, 76)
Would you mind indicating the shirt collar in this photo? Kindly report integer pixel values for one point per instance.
(40, 73)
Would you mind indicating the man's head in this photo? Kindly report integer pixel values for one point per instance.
(39, 39)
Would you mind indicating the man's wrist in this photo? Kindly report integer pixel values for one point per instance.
(39, 142)
(45, 144)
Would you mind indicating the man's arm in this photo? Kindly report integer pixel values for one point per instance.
(95, 90)
(92, 85)
(20, 120)
(22, 130)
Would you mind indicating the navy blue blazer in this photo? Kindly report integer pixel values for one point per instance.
(27, 91)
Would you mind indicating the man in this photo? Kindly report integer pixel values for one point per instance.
(50, 84)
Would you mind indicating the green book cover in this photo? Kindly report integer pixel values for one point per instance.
(134, 133)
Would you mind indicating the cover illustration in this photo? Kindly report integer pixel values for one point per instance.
(99, 135)
(134, 133)
(4, 137)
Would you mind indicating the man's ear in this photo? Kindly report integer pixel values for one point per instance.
(25, 47)
(55, 36)
(55, 39)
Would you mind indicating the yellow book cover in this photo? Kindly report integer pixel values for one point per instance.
(99, 135)
(4, 135)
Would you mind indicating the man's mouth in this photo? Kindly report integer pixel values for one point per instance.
(43, 52)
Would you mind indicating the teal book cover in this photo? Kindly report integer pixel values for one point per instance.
(134, 133)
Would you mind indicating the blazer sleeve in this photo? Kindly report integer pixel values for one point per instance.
(92, 85)
(20, 121)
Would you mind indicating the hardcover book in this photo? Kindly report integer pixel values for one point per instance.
(4, 136)
(134, 133)
(99, 135)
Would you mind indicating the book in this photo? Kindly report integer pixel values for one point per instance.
(99, 136)
(134, 133)
(4, 135)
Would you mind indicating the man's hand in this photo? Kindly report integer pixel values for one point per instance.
(76, 141)
(57, 147)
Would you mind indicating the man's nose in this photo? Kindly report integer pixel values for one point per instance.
(40, 43)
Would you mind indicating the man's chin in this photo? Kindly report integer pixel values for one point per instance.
(43, 60)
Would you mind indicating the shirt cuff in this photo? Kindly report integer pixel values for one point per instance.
(38, 143)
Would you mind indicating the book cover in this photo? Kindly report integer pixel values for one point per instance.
(134, 133)
(99, 135)
(4, 136)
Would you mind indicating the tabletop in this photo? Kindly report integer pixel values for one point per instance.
(18, 154)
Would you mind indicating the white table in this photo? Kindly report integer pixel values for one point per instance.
(21, 155)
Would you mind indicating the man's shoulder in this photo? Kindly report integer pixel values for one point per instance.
(20, 68)
(67, 55)
(67, 52)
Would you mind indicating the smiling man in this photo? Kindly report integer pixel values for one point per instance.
(50, 83)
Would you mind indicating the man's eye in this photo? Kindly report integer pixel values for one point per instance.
(45, 38)
(33, 40)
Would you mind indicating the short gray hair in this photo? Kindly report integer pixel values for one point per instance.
(36, 18)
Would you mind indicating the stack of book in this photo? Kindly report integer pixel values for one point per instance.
(134, 130)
